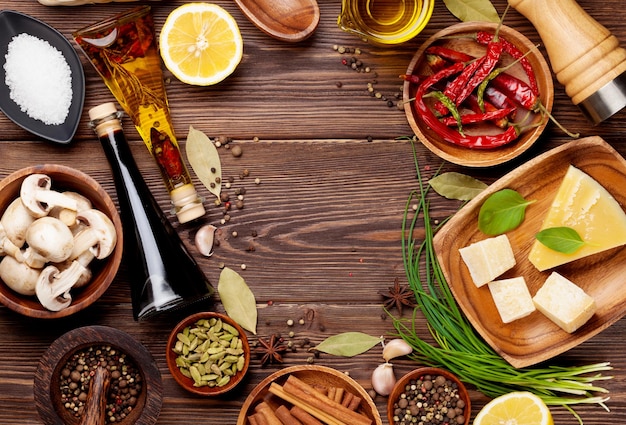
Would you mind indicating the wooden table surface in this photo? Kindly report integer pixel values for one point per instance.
(327, 214)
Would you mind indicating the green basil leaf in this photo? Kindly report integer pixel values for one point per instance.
(348, 344)
(237, 299)
(561, 239)
(457, 186)
(501, 212)
(473, 10)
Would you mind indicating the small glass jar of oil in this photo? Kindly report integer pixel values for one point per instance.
(385, 21)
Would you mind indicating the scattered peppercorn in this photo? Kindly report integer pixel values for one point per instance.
(236, 151)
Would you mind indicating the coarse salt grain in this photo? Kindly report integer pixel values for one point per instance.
(39, 79)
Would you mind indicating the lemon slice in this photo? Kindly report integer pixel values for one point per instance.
(200, 43)
(515, 408)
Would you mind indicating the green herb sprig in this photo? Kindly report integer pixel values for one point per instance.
(459, 348)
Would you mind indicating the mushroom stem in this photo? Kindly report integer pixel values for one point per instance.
(53, 287)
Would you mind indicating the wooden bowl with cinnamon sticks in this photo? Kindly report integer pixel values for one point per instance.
(309, 395)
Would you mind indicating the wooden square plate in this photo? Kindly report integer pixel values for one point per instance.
(535, 338)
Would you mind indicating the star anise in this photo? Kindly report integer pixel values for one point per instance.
(271, 351)
(398, 295)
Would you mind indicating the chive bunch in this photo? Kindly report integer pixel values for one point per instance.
(459, 348)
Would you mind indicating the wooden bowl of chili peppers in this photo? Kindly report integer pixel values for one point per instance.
(492, 79)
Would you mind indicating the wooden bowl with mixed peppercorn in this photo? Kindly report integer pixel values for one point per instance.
(208, 353)
(444, 395)
(97, 374)
(499, 121)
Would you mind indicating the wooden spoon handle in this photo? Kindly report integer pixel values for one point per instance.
(583, 53)
(95, 407)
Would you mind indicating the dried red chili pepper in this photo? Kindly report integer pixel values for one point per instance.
(484, 37)
(166, 154)
(479, 117)
(456, 86)
(472, 102)
(449, 135)
(411, 78)
(517, 90)
(449, 54)
(437, 63)
(492, 57)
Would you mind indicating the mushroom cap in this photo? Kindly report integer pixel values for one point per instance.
(51, 239)
(98, 234)
(18, 276)
(39, 199)
(16, 219)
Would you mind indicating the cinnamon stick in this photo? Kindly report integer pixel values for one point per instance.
(266, 411)
(285, 416)
(325, 417)
(304, 391)
(339, 394)
(304, 416)
(347, 398)
(252, 419)
(354, 403)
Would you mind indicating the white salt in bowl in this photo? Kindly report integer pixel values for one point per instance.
(13, 24)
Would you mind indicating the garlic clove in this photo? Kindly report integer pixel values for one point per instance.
(396, 348)
(204, 239)
(383, 379)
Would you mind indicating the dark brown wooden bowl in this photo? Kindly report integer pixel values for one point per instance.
(187, 383)
(47, 377)
(458, 37)
(104, 271)
(416, 374)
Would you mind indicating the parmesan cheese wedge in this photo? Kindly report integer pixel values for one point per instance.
(584, 205)
(565, 303)
(488, 259)
(512, 298)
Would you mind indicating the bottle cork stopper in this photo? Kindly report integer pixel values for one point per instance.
(187, 203)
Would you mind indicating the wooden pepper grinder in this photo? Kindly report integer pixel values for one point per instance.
(584, 55)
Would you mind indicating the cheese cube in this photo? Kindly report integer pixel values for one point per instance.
(563, 302)
(512, 298)
(488, 259)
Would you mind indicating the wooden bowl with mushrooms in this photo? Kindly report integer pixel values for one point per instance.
(60, 241)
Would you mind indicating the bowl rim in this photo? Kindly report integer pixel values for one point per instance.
(187, 383)
(429, 370)
(114, 259)
(486, 157)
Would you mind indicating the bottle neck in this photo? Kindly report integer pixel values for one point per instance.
(107, 124)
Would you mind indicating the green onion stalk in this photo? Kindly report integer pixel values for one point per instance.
(459, 348)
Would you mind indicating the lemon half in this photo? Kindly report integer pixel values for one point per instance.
(200, 43)
(515, 408)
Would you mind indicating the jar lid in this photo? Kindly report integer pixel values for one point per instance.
(102, 111)
(187, 204)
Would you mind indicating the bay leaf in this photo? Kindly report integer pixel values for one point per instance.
(237, 299)
(561, 239)
(473, 10)
(502, 211)
(204, 160)
(459, 186)
(348, 344)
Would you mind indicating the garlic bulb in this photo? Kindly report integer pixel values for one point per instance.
(396, 348)
(383, 379)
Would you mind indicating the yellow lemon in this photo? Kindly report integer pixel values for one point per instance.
(515, 408)
(200, 43)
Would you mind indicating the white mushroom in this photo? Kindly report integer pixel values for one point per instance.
(49, 241)
(68, 216)
(39, 199)
(19, 276)
(53, 286)
(7, 247)
(15, 220)
(97, 236)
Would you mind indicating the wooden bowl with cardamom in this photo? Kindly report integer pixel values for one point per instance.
(208, 353)
(103, 271)
(429, 383)
(335, 393)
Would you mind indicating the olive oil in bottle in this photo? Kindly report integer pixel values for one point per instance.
(164, 274)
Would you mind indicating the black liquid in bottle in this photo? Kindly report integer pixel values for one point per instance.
(164, 274)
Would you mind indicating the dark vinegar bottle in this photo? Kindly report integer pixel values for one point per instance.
(164, 274)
